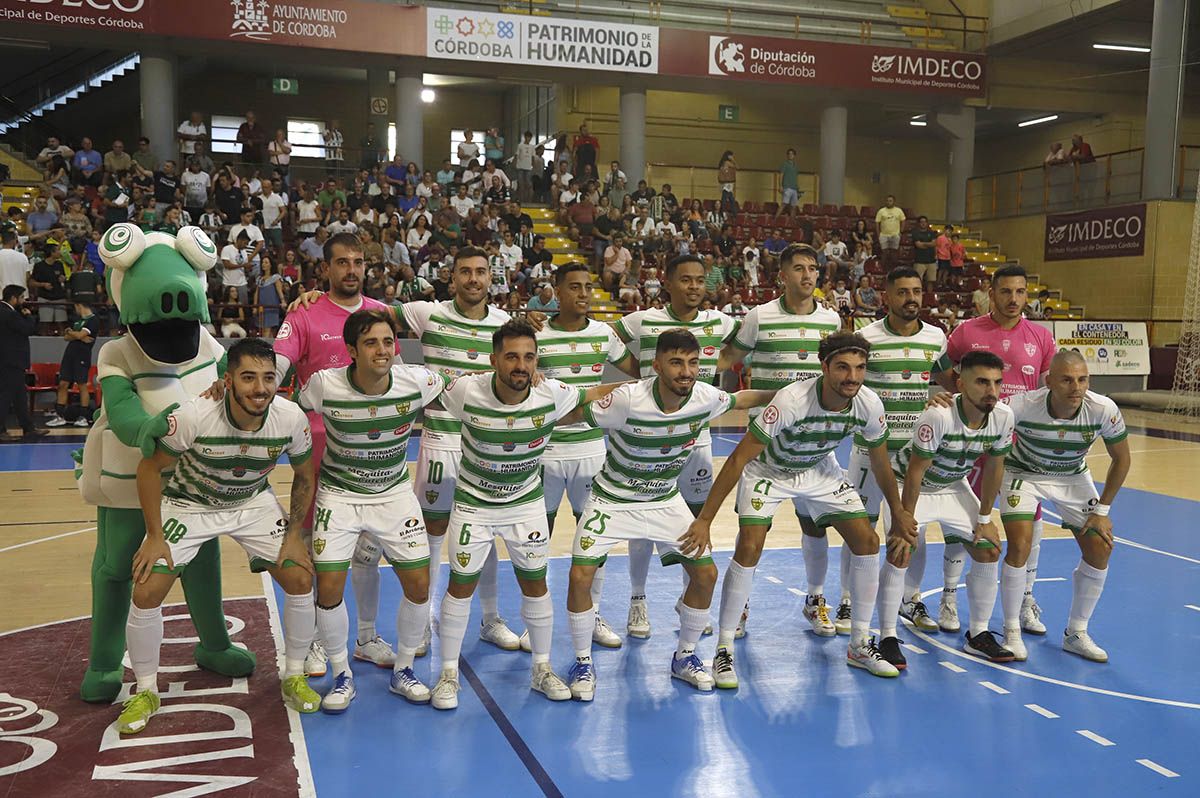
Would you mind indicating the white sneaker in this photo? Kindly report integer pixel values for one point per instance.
(316, 661)
(724, 675)
(445, 692)
(691, 670)
(497, 633)
(865, 655)
(603, 634)
(375, 650)
(582, 679)
(914, 612)
(338, 699)
(524, 643)
(638, 624)
(1031, 616)
(817, 614)
(842, 620)
(679, 611)
(423, 649)
(81, 421)
(56, 421)
(740, 631)
(1014, 643)
(948, 615)
(546, 681)
(405, 684)
(1081, 643)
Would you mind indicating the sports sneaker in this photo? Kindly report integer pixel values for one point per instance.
(1081, 643)
(1014, 643)
(1031, 616)
(445, 692)
(316, 661)
(724, 675)
(984, 645)
(298, 695)
(546, 681)
(81, 421)
(866, 655)
(740, 631)
(603, 634)
(57, 421)
(375, 650)
(691, 670)
(405, 684)
(582, 680)
(638, 624)
(423, 649)
(817, 614)
(707, 630)
(338, 699)
(948, 615)
(524, 643)
(136, 712)
(889, 649)
(841, 621)
(497, 633)
(915, 613)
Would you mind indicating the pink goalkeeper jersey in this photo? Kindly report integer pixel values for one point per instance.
(1025, 349)
(311, 338)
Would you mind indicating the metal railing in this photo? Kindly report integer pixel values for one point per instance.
(700, 182)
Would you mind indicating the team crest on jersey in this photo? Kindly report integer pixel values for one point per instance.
(539, 420)
(1014, 500)
(372, 411)
(1062, 433)
(274, 451)
(403, 407)
(245, 447)
(318, 545)
(510, 421)
(694, 426)
(757, 504)
(431, 496)
(586, 543)
(824, 334)
(708, 329)
(1088, 436)
(463, 558)
(1005, 344)
(596, 347)
(1031, 349)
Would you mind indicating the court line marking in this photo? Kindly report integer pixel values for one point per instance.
(1045, 713)
(774, 580)
(995, 688)
(1144, 547)
(950, 666)
(46, 539)
(1192, 607)
(307, 788)
(914, 649)
(44, 624)
(795, 591)
(1157, 768)
(1096, 738)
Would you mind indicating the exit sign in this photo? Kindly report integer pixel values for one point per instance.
(727, 113)
(285, 86)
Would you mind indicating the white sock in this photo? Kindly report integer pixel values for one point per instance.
(864, 587)
(735, 592)
(581, 624)
(435, 564)
(891, 593)
(1035, 551)
(333, 626)
(816, 562)
(452, 627)
(144, 636)
(364, 576)
(1087, 583)
(954, 558)
(916, 568)
(640, 552)
(1012, 590)
(538, 614)
(691, 625)
(489, 586)
(410, 630)
(597, 587)
(299, 626)
(981, 594)
(844, 569)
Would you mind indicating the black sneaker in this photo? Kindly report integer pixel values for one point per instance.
(841, 621)
(889, 649)
(984, 645)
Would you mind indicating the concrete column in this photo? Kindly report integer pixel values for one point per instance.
(633, 136)
(409, 113)
(833, 155)
(378, 86)
(1163, 98)
(156, 75)
(960, 125)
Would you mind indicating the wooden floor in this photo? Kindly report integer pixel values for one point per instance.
(47, 533)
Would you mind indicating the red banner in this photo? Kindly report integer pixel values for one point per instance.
(1115, 232)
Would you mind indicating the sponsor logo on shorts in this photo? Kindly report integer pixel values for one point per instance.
(412, 523)
(535, 536)
(586, 543)
(463, 558)
(318, 545)
(1013, 500)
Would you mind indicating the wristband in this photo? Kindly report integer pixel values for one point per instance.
(983, 520)
(1101, 509)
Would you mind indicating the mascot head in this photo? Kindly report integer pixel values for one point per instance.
(157, 282)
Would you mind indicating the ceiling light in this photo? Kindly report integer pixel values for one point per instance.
(1126, 48)
(427, 95)
(1038, 121)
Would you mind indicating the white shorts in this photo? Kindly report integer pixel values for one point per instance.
(696, 479)
(1073, 496)
(471, 535)
(437, 475)
(821, 493)
(790, 196)
(258, 526)
(889, 242)
(605, 524)
(954, 508)
(859, 475)
(395, 526)
(573, 477)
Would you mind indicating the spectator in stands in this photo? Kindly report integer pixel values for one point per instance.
(342, 224)
(228, 198)
(775, 243)
(724, 242)
(200, 156)
(143, 155)
(617, 193)
(866, 299)
(117, 199)
(274, 210)
(493, 145)
(312, 250)
(614, 173)
(441, 284)
(514, 260)
(1056, 156)
(643, 193)
(837, 256)
(413, 288)
(233, 315)
(789, 181)
(714, 280)
(446, 175)
(256, 240)
(166, 188)
(54, 147)
(942, 245)
(468, 149)
(889, 219)
(643, 231)
(1036, 308)
(195, 183)
(727, 177)
(543, 299)
(280, 152)
(16, 325)
(924, 240)
(15, 267)
(307, 215)
(233, 268)
(752, 263)
(41, 222)
(330, 192)
(980, 299)
(76, 225)
(189, 133)
(253, 139)
(860, 235)
(116, 159)
(271, 297)
(586, 149)
(1081, 151)
(561, 181)
(958, 259)
(461, 203)
(946, 314)
(670, 203)
(736, 307)
(49, 281)
(616, 258)
(858, 265)
(497, 193)
(606, 228)
(58, 176)
(334, 140)
(629, 292)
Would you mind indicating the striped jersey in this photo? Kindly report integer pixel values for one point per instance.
(784, 344)
(898, 369)
(1057, 446)
(366, 436)
(941, 434)
(452, 344)
(647, 446)
(577, 358)
(502, 444)
(222, 466)
(799, 433)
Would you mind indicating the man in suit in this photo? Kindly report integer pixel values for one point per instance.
(16, 325)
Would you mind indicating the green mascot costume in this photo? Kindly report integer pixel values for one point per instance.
(157, 282)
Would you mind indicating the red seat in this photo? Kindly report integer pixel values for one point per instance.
(810, 209)
(771, 208)
(873, 266)
(848, 210)
(867, 211)
(45, 380)
(829, 210)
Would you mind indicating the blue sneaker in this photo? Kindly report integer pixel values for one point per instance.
(581, 678)
(337, 700)
(691, 670)
(406, 685)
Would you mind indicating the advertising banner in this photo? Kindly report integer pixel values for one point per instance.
(1110, 347)
(1114, 232)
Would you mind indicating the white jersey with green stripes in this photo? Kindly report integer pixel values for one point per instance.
(502, 444)
(222, 466)
(648, 447)
(1058, 446)
(941, 434)
(798, 432)
(366, 436)
(451, 344)
(577, 358)
(783, 344)
(899, 370)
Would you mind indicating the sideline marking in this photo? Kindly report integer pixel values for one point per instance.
(1192, 607)
(1096, 738)
(795, 591)
(774, 580)
(307, 789)
(1045, 713)
(1144, 547)
(1157, 768)
(995, 688)
(46, 539)
(950, 666)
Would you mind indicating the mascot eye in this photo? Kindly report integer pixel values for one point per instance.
(122, 245)
(196, 248)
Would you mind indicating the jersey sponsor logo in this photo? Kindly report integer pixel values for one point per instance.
(239, 471)
(605, 401)
(576, 368)
(906, 374)
(925, 376)
(710, 350)
(597, 367)
(924, 433)
(1028, 370)
(374, 434)
(285, 331)
(771, 414)
(535, 444)
(472, 354)
(403, 428)
(802, 354)
(509, 447)
(412, 523)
